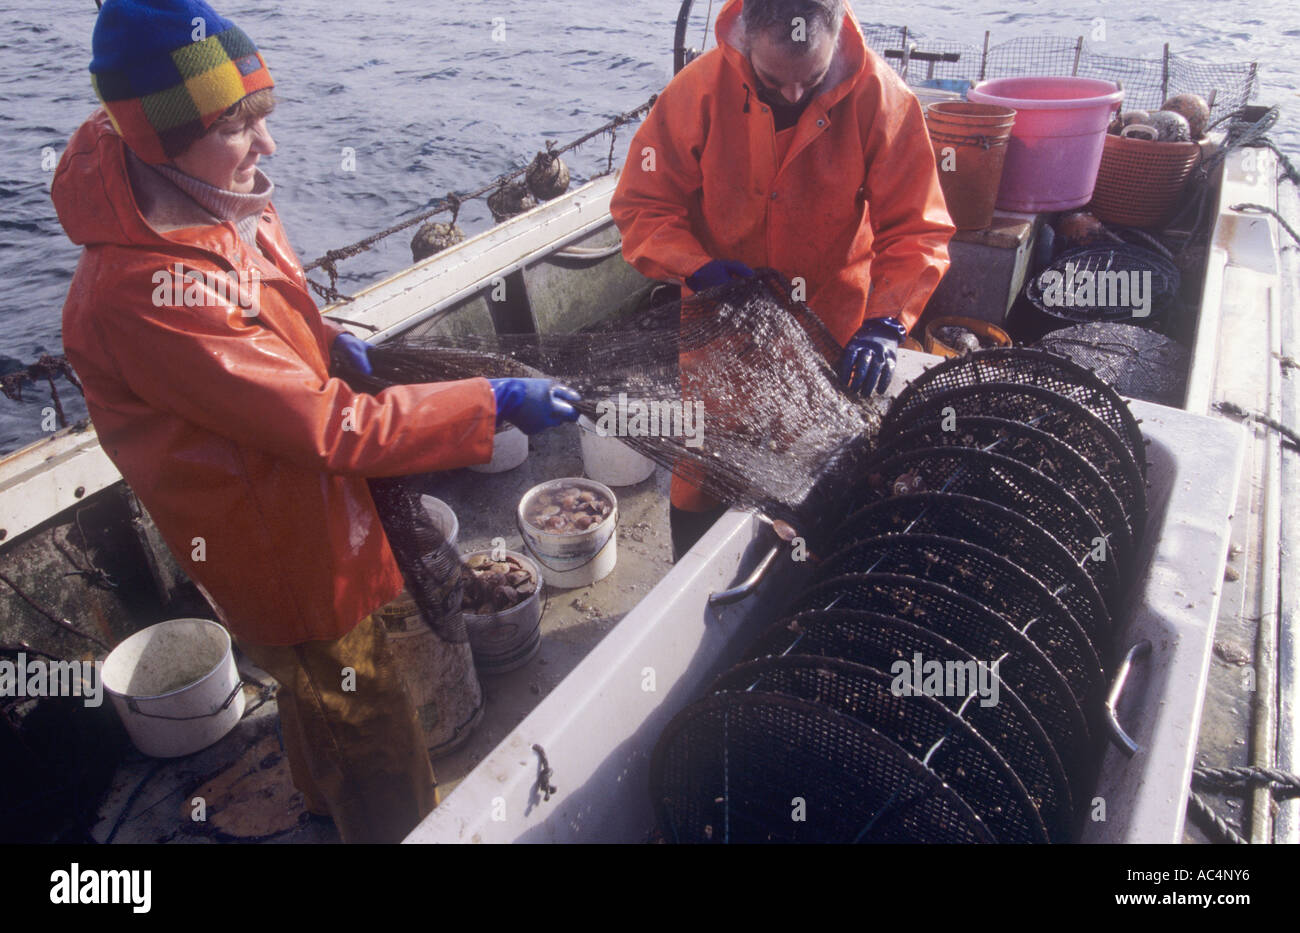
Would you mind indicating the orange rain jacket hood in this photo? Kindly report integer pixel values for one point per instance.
(855, 207)
(218, 408)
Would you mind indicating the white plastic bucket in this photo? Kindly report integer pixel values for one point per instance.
(175, 686)
(576, 559)
(509, 449)
(509, 639)
(608, 460)
(443, 518)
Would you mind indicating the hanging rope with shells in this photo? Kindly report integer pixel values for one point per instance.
(544, 178)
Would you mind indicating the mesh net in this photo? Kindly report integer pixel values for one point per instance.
(733, 389)
(879, 641)
(1147, 83)
(430, 565)
(920, 724)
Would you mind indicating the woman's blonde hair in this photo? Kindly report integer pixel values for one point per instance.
(257, 104)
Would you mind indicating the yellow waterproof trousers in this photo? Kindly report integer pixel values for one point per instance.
(351, 734)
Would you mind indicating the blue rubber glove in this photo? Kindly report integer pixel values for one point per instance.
(717, 272)
(355, 350)
(534, 405)
(870, 356)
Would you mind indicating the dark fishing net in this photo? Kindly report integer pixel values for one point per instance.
(733, 389)
(429, 564)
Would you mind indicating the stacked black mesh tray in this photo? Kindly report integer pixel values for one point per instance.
(942, 677)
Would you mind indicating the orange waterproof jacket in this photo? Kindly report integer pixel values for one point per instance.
(855, 208)
(218, 409)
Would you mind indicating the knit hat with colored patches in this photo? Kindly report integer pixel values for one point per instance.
(166, 70)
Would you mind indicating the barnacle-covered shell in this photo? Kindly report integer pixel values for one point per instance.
(547, 176)
(1172, 127)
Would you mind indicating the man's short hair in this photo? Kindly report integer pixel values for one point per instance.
(778, 19)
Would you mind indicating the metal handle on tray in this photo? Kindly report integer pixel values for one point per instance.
(737, 593)
(1117, 734)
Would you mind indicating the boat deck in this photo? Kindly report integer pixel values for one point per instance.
(573, 622)
(1248, 331)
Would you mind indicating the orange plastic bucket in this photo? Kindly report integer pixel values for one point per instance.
(986, 332)
(970, 145)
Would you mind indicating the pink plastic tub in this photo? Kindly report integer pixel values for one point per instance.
(1056, 144)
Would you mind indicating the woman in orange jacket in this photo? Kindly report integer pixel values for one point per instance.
(205, 364)
(790, 145)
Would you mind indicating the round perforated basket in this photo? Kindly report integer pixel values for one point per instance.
(921, 724)
(985, 475)
(879, 640)
(999, 529)
(1025, 366)
(978, 629)
(1138, 362)
(1139, 182)
(1044, 410)
(726, 769)
(1053, 458)
(1114, 283)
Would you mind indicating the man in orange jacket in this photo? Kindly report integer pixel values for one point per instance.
(790, 145)
(205, 364)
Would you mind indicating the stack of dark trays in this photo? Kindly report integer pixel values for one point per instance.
(942, 678)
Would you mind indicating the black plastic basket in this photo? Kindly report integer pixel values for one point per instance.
(992, 581)
(1001, 530)
(978, 629)
(1053, 458)
(1099, 262)
(1025, 366)
(879, 640)
(922, 725)
(728, 768)
(1009, 483)
(1044, 410)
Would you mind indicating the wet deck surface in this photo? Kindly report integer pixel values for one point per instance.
(573, 621)
(152, 800)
